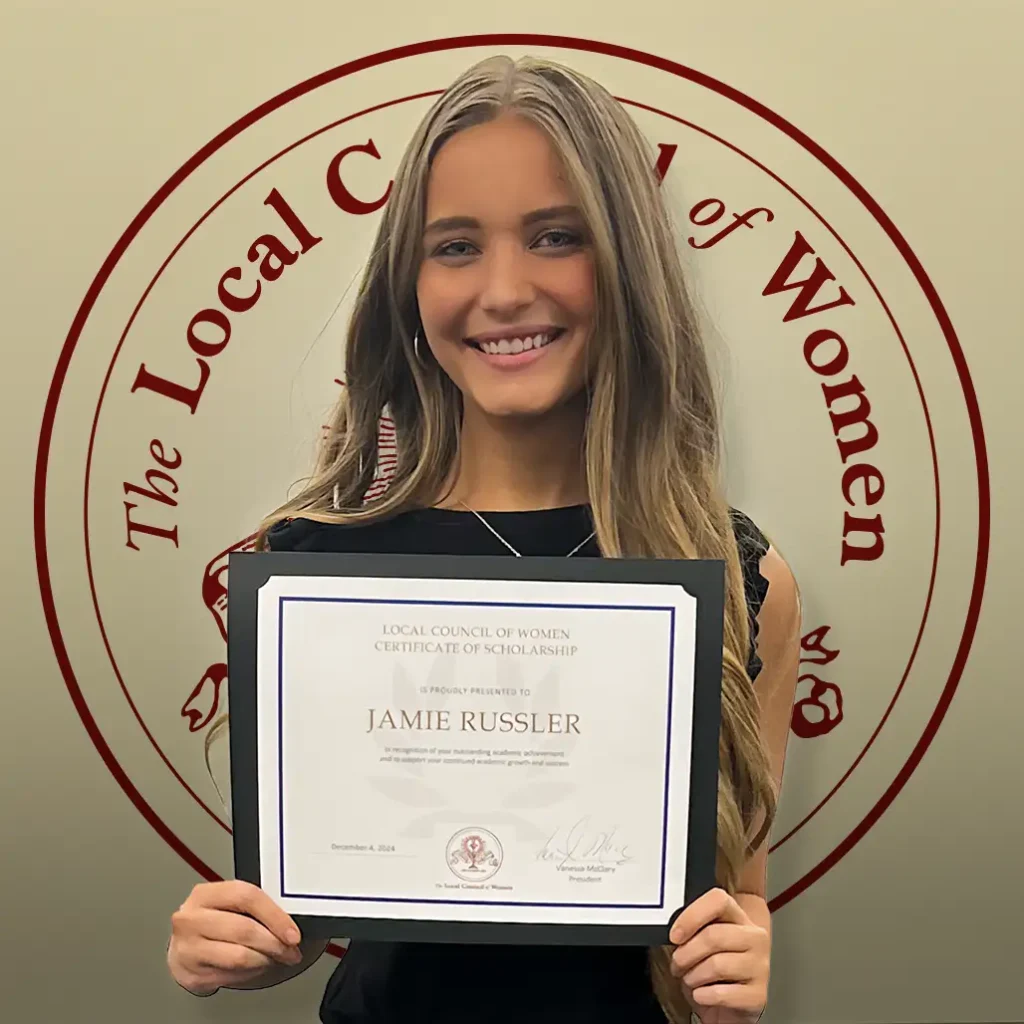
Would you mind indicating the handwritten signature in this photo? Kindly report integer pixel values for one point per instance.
(582, 843)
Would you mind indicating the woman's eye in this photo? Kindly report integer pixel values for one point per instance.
(559, 238)
(455, 249)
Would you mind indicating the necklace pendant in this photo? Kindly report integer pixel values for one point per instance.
(519, 554)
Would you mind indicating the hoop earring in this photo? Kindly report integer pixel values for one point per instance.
(416, 348)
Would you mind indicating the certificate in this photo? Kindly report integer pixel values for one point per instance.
(475, 749)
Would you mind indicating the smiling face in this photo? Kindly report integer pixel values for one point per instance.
(506, 285)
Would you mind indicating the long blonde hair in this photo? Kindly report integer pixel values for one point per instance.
(652, 432)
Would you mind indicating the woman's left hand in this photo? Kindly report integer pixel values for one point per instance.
(722, 959)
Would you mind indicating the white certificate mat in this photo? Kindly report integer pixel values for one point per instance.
(473, 750)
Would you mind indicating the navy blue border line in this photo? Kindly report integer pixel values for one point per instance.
(483, 604)
(470, 903)
(293, 599)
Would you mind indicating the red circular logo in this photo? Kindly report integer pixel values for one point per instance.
(207, 350)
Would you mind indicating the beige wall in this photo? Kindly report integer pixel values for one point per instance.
(919, 101)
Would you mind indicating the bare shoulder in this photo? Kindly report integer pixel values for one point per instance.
(778, 620)
(778, 647)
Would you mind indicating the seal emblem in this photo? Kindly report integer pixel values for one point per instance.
(474, 854)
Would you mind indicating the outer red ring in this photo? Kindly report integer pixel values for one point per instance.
(655, 110)
(540, 40)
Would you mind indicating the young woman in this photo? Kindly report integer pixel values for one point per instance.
(524, 319)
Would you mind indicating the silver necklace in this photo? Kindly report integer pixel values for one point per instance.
(519, 554)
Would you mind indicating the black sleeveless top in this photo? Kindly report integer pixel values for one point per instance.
(425, 983)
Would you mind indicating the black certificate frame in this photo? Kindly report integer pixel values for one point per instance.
(703, 579)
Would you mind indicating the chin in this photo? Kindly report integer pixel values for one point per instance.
(523, 407)
(514, 412)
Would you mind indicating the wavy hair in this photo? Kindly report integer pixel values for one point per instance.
(652, 439)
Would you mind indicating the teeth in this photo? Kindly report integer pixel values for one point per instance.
(513, 346)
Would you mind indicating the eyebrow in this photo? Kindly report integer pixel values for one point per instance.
(534, 217)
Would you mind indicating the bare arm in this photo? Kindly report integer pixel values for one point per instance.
(778, 645)
(723, 942)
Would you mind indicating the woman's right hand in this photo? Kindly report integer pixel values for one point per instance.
(228, 934)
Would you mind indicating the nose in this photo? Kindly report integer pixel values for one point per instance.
(507, 286)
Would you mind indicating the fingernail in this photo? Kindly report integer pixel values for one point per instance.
(293, 935)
